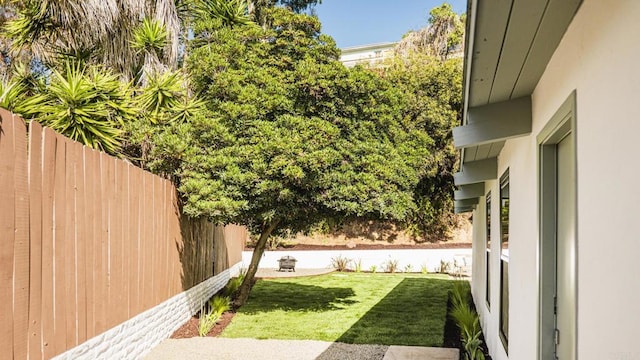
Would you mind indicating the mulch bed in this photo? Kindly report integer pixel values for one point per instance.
(190, 328)
(373, 247)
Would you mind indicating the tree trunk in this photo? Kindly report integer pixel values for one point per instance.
(243, 292)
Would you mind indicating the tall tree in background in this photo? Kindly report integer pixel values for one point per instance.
(290, 136)
(443, 35)
(433, 101)
(99, 32)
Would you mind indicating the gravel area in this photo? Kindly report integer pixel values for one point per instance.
(208, 348)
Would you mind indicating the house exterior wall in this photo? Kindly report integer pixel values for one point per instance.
(598, 59)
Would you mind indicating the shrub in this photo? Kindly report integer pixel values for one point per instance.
(460, 294)
(232, 286)
(391, 266)
(467, 321)
(445, 267)
(220, 304)
(340, 263)
(424, 269)
(408, 268)
(359, 266)
(373, 268)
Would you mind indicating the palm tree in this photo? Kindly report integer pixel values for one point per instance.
(99, 31)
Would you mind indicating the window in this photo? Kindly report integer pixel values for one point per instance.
(504, 259)
(487, 257)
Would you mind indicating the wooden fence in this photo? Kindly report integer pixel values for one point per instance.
(87, 241)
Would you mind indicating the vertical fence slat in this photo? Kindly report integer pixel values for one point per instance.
(126, 237)
(58, 245)
(48, 280)
(70, 260)
(119, 257)
(112, 248)
(35, 233)
(89, 240)
(21, 247)
(101, 253)
(134, 223)
(7, 236)
(80, 243)
(147, 242)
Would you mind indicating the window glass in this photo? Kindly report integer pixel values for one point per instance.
(504, 259)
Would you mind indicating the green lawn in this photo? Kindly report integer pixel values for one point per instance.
(354, 308)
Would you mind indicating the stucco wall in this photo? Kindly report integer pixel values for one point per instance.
(597, 57)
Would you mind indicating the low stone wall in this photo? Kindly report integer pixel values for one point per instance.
(136, 337)
(415, 258)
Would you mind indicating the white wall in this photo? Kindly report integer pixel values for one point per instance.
(321, 259)
(598, 57)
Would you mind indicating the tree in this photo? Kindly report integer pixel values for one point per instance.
(290, 136)
(442, 36)
(99, 32)
(433, 102)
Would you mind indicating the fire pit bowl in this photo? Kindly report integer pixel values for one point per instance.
(287, 263)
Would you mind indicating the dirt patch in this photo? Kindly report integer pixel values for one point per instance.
(190, 328)
(365, 246)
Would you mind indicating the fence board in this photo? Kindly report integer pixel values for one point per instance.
(80, 242)
(119, 227)
(60, 330)
(70, 258)
(102, 276)
(89, 239)
(134, 285)
(35, 232)
(7, 235)
(48, 280)
(21, 246)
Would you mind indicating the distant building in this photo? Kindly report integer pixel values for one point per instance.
(372, 54)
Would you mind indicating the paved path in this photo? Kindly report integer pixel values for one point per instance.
(209, 348)
(274, 273)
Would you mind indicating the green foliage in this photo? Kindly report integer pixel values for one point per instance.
(373, 269)
(340, 263)
(432, 95)
(290, 135)
(85, 103)
(232, 286)
(424, 269)
(229, 13)
(220, 304)
(358, 265)
(150, 36)
(467, 320)
(408, 268)
(206, 322)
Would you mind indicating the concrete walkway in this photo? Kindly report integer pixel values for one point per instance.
(274, 273)
(208, 348)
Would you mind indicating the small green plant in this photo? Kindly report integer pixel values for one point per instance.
(445, 267)
(232, 286)
(340, 263)
(460, 294)
(423, 269)
(359, 266)
(391, 266)
(467, 321)
(472, 343)
(408, 268)
(207, 321)
(373, 269)
(220, 304)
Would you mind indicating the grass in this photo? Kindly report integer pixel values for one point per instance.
(354, 308)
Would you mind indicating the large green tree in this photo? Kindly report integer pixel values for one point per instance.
(290, 136)
(432, 91)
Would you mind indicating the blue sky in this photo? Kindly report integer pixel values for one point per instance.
(361, 22)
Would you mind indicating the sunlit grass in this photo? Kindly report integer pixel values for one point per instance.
(386, 309)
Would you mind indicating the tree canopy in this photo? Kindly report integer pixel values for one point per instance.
(290, 136)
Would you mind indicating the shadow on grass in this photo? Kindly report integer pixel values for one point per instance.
(269, 296)
(413, 313)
